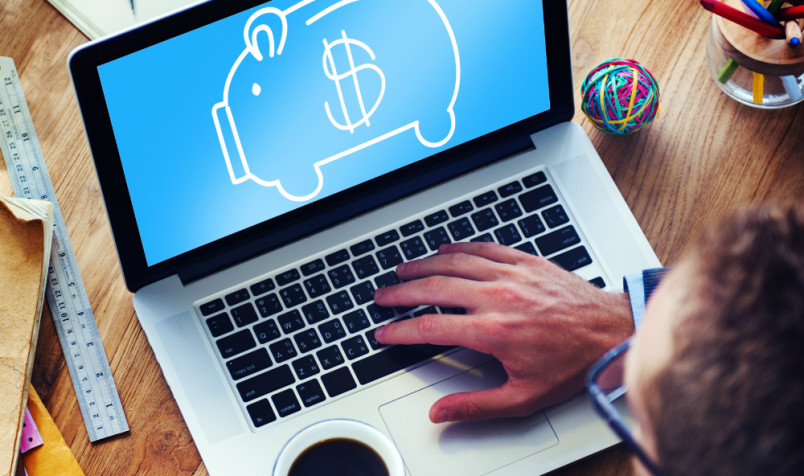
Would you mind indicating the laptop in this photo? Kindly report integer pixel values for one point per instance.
(266, 165)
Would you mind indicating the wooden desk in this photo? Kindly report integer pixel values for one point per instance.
(704, 156)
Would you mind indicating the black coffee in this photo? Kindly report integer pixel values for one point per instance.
(339, 457)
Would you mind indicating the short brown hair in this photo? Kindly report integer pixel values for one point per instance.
(731, 401)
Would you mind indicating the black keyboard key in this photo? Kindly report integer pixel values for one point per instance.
(219, 325)
(598, 281)
(310, 393)
(290, 322)
(356, 321)
(286, 403)
(527, 247)
(365, 267)
(508, 235)
(317, 286)
(388, 279)
(485, 237)
(267, 331)
(436, 238)
(339, 302)
(393, 359)
(265, 383)
(313, 267)
(557, 240)
(292, 296)
(315, 312)
(413, 248)
(457, 311)
(354, 347)
(261, 413)
(262, 287)
(485, 219)
(244, 315)
(305, 367)
(341, 276)
(461, 208)
(330, 357)
(307, 340)
(436, 218)
(555, 216)
(236, 343)
(237, 297)
(485, 198)
(287, 277)
(268, 305)
(411, 228)
(573, 259)
(531, 226)
(362, 248)
(249, 364)
(538, 198)
(282, 350)
(332, 330)
(211, 307)
(337, 257)
(508, 210)
(510, 189)
(338, 381)
(534, 179)
(380, 314)
(363, 292)
(389, 257)
(385, 238)
(461, 229)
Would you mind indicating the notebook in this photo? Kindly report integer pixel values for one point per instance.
(266, 165)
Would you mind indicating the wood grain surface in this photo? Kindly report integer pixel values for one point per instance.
(703, 157)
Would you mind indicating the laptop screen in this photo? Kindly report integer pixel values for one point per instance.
(287, 103)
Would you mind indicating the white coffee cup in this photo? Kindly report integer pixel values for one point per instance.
(335, 430)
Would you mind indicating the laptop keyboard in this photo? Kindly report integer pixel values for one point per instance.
(294, 339)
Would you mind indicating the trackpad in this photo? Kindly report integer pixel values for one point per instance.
(464, 448)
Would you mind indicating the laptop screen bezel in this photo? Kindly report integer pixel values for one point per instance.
(263, 237)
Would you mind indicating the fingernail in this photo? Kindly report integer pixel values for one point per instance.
(378, 293)
(379, 332)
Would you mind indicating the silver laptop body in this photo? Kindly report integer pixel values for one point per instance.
(233, 319)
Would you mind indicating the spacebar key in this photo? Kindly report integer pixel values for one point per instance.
(395, 358)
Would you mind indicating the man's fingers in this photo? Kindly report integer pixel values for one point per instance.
(437, 329)
(490, 251)
(441, 291)
(498, 402)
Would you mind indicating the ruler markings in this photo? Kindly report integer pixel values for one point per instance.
(66, 295)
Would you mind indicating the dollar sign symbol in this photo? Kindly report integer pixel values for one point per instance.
(332, 74)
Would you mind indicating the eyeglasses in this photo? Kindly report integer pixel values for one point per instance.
(605, 386)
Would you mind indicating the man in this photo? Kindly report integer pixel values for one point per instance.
(715, 374)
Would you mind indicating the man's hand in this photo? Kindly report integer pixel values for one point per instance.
(545, 325)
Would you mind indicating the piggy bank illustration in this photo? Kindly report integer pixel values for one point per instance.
(322, 80)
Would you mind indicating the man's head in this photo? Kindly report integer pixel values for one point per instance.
(716, 373)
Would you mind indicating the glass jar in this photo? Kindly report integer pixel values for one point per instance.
(758, 71)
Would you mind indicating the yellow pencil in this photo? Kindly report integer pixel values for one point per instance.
(759, 86)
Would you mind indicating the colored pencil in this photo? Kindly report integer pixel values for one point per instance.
(791, 13)
(792, 32)
(760, 11)
(774, 6)
(759, 88)
(743, 19)
(791, 86)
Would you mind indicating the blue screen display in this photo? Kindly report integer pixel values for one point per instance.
(260, 113)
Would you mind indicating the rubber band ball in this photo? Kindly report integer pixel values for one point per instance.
(620, 96)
